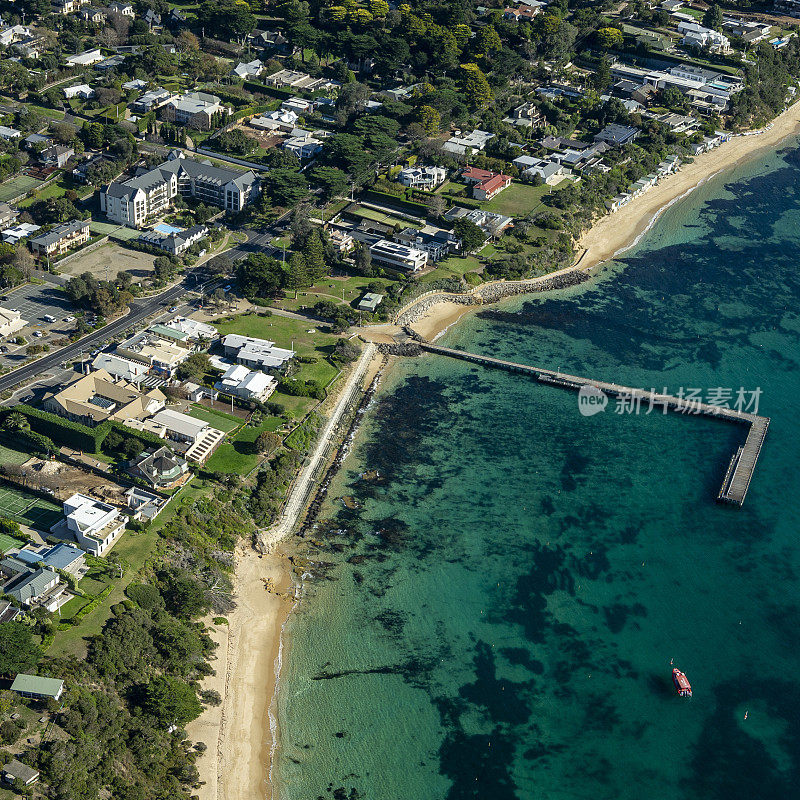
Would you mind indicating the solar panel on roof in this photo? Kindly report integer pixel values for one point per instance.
(101, 402)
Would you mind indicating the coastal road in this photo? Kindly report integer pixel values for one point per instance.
(300, 489)
(138, 311)
(258, 242)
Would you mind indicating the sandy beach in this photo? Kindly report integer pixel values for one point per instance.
(237, 733)
(615, 232)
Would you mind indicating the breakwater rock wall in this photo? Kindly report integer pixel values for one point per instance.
(489, 293)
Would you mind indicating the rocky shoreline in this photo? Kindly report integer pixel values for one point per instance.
(491, 293)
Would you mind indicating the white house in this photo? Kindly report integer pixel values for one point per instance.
(299, 105)
(246, 71)
(18, 232)
(82, 90)
(304, 146)
(422, 177)
(85, 59)
(180, 427)
(476, 140)
(10, 322)
(95, 525)
(256, 353)
(8, 133)
(695, 35)
(192, 328)
(398, 256)
(240, 381)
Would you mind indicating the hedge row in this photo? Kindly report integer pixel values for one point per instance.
(89, 607)
(80, 437)
(407, 205)
(64, 431)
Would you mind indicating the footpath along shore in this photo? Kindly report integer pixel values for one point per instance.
(613, 233)
(241, 733)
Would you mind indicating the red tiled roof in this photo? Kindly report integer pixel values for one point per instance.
(490, 185)
(475, 174)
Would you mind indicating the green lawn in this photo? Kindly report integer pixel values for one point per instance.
(216, 419)
(47, 112)
(284, 331)
(54, 189)
(453, 266)
(518, 200)
(17, 186)
(331, 289)
(386, 219)
(134, 549)
(237, 454)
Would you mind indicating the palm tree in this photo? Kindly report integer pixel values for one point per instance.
(16, 422)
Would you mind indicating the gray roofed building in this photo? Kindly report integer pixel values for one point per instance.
(195, 109)
(17, 771)
(161, 468)
(174, 243)
(141, 199)
(31, 588)
(617, 135)
(61, 238)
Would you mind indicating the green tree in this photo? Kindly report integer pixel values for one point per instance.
(195, 367)
(171, 701)
(18, 650)
(488, 40)
(287, 187)
(16, 421)
(471, 235)
(331, 180)
(362, 259)
(475, 86)
(267, 441)
(713, 18)
(430, 119)
(297, 274)
(609, 38)
(314, 256)
(259, 276)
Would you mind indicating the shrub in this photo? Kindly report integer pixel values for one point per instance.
(145, 596)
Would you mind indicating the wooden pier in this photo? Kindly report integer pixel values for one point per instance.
(743, 462)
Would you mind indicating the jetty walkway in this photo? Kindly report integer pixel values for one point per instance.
(743, 462)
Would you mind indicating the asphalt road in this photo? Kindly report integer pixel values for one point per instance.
(139, 310)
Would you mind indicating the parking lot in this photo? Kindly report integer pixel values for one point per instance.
(33, 301)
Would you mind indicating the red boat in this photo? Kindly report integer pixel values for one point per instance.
(682, 685)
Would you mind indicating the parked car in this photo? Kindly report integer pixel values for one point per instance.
(49, 318)
(69, 319)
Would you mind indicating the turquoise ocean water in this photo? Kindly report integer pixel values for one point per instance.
(498, 618)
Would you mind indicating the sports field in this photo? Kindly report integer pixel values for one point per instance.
(17, 186)
(8, 543)
(28, 509)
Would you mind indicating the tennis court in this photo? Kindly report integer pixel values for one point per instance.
(28, 509)
(17, 186)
